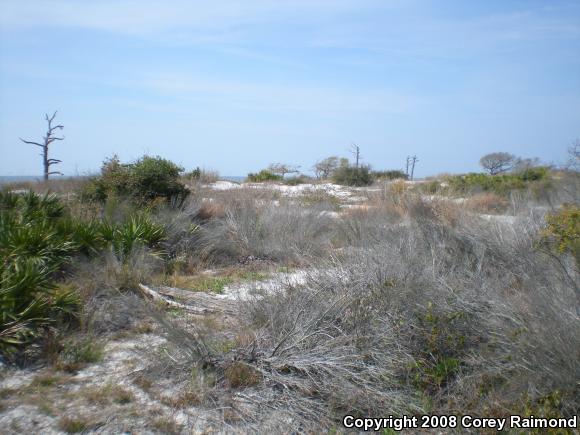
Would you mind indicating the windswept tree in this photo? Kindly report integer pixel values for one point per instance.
(324, 168)
(282, 169)
(46, 141)
(496, 163)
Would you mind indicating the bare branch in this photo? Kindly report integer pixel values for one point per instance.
(32, 143)
(49, 120)
(52, 139)
(56, 127)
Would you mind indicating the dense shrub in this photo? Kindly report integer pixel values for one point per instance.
(390, 175)
(500, 184)
(142, 181)
(353, 176)
(562, 232)
(300, 179)
(533, 174)
(264, 175)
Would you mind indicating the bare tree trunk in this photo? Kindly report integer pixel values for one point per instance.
(356, 152)
(413, 161)
(47, 140)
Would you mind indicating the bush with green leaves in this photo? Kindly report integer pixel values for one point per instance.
(500, 184)
(353, 176)
(393, 174)
(299, 179)
(264, 175)
(143, 181)
(562, 232)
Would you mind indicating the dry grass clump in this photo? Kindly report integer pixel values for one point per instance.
(62, 186)
(487, 203)
(74, 424)
(77, 352)
(108, 394)
(442, 313)
(108, 287)
(278, 232)
(167, 425)
(239, 374)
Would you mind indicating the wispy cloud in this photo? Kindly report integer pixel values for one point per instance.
(278, 97)
(152, 16)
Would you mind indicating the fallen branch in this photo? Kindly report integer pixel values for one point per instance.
(198, 302)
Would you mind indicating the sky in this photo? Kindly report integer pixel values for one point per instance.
(234, 85)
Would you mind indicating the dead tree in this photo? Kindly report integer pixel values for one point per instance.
(411, 161)
(355, 150)
(47, 140)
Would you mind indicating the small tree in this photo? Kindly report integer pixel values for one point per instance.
(324, 168)
(47, 140)
(523, 164)
(496, 163)
(282, 169)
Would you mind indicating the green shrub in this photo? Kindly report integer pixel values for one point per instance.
(393, 174)
(295, 181)
(143, 181)
(534, 174)
(500, 184)
(352, 176)
(562, 232)
(137, 229)
(264, 175)
(194, 174)
(442, 349)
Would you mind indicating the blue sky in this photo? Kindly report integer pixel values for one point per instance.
(236, 85)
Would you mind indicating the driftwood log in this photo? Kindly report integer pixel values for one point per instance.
(190, 301)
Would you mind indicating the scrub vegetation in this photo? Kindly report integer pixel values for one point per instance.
(451, 296)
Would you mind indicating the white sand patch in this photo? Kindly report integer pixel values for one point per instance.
(329, 214)
(499, 218)
(247, 290)
(290, 191)
(26, 419)
(14, 379)
(223, 185)
(121, 358)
